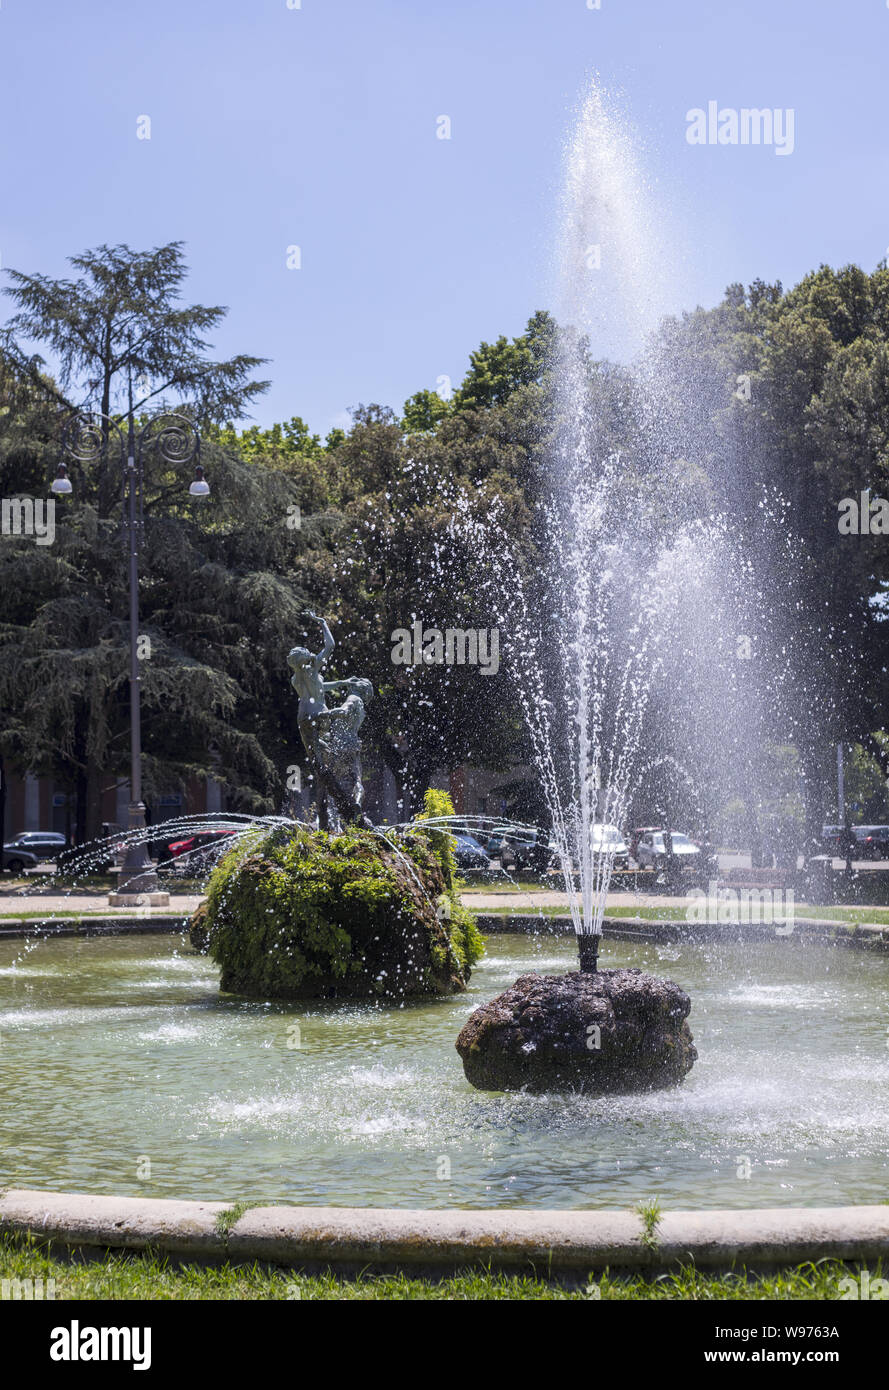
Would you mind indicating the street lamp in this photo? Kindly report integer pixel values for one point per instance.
(61, 483)
(199, 487)
(174, 439)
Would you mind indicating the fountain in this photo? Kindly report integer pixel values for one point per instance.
(585, 694)
(307, 1084)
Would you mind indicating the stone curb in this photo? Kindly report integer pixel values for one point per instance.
(860, 935)
(161, 924)
(377, 1238)
(129, 1223)
(776, 1235)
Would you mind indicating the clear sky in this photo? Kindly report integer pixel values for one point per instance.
(316, 127)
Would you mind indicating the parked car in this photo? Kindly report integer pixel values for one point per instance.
(607, 839)
(470, 854)
(94, 857)
(194, 852)
(497, 840)
(16, 859)
(873, 841)
(651, 852)
(525, 848)
(834, 841)
(636, 835)
(46, 844)
(495, 844)
(532, 849)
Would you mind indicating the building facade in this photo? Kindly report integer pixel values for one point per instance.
(36, 803)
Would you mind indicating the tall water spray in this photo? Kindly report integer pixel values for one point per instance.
(607, 297)
(651, 590)
(583, 674)
(609, 276)
(622, 627)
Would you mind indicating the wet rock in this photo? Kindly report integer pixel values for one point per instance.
(612, 1032)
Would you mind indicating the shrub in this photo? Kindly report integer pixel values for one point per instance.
(466, 938)
(438, 803)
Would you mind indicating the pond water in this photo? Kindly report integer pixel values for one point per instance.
(122, 1069)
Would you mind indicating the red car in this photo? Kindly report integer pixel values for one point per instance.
(200, 850)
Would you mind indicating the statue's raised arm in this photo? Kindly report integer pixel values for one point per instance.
(320, 659)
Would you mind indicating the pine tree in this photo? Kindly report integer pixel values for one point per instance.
(63, 612)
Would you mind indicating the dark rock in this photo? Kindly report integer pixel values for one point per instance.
(541, 1035)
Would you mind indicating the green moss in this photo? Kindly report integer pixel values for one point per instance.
(298, 913)
(438, 803)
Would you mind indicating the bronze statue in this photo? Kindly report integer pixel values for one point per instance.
(330, 735)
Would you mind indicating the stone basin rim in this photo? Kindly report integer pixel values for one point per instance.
(446, 1239)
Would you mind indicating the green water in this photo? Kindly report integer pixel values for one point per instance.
(119, 1053)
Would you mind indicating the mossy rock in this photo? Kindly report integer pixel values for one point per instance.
(299, 914)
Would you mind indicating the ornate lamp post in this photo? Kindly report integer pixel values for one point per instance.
(172, 438)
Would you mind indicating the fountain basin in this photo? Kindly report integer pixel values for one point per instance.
(116, 1047)
(613, 1032)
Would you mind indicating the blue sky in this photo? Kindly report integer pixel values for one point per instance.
(316, 127)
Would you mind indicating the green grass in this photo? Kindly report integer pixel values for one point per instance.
(878, 916)
(523, 884)
(125, 1277)
(228, 1218)
(67, 915)
(650, 1212)
(86, 883)
(655, 914)
(665, 914)
(850, 915)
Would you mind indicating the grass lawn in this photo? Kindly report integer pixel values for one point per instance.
(122, 1276)
(878, 915)
(45, 916)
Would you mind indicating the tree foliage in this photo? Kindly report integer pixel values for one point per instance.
(770, 408)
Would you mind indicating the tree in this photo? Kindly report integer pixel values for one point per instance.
(121, 322)
(498, 369)
(122, 317)
(393, 555)
(63, 613)
(423, 412)
(216, 619)
(290, 449)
